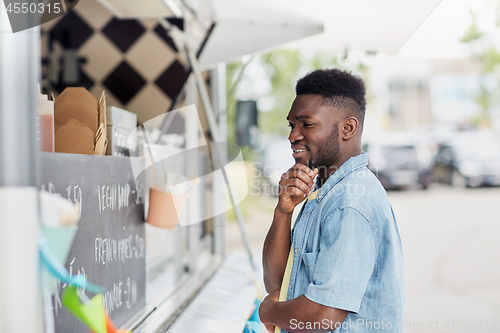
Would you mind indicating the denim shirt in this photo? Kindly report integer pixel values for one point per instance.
(347, 251)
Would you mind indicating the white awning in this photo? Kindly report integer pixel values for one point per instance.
(243, 26)
(246, 26)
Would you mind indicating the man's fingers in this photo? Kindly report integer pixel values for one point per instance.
(299, 174)
(305, 168)
(295, 187)
(298, 183)
(270, 328)
(315, 172)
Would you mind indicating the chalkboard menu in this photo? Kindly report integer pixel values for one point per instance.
(109, 246)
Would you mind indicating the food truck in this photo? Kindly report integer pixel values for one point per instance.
(117, 107)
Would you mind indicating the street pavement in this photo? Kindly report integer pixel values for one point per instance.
(451, 245)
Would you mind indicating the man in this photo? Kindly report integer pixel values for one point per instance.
(345, 263)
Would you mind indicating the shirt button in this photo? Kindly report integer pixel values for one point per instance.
(297, 250)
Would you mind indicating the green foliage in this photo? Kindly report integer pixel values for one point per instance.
(472, 33)
(486, 100)
(490, 59)
(284, 65)
(486, 51)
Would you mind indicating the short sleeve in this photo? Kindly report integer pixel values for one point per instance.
(345, 262)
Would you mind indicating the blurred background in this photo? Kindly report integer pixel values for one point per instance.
(432, 131)
(432, 127)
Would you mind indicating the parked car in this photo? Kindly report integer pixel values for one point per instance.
(470, 159)
(399, 160)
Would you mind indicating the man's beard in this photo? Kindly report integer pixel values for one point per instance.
(327, 152)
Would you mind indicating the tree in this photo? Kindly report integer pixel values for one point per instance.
(485, 49)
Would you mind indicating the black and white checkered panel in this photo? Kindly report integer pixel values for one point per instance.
(134, 61)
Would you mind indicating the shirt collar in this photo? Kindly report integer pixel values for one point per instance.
(349, 166)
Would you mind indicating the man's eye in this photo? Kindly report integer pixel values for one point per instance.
(307, 125)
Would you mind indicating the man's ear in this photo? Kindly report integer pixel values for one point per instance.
(351, 127)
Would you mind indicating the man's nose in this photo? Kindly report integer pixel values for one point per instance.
(295, 135)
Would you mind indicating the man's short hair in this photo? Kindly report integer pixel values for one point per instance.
(339, 88)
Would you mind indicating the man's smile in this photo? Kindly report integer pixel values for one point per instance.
(298, 151)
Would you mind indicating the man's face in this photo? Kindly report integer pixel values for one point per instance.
(314, 131)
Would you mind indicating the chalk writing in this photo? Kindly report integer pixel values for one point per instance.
(51, 188)
(131, 292)
(80, 291)
(107, 250)
(112, 299)
(77, 195)
(139, 189)
(113, 197)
